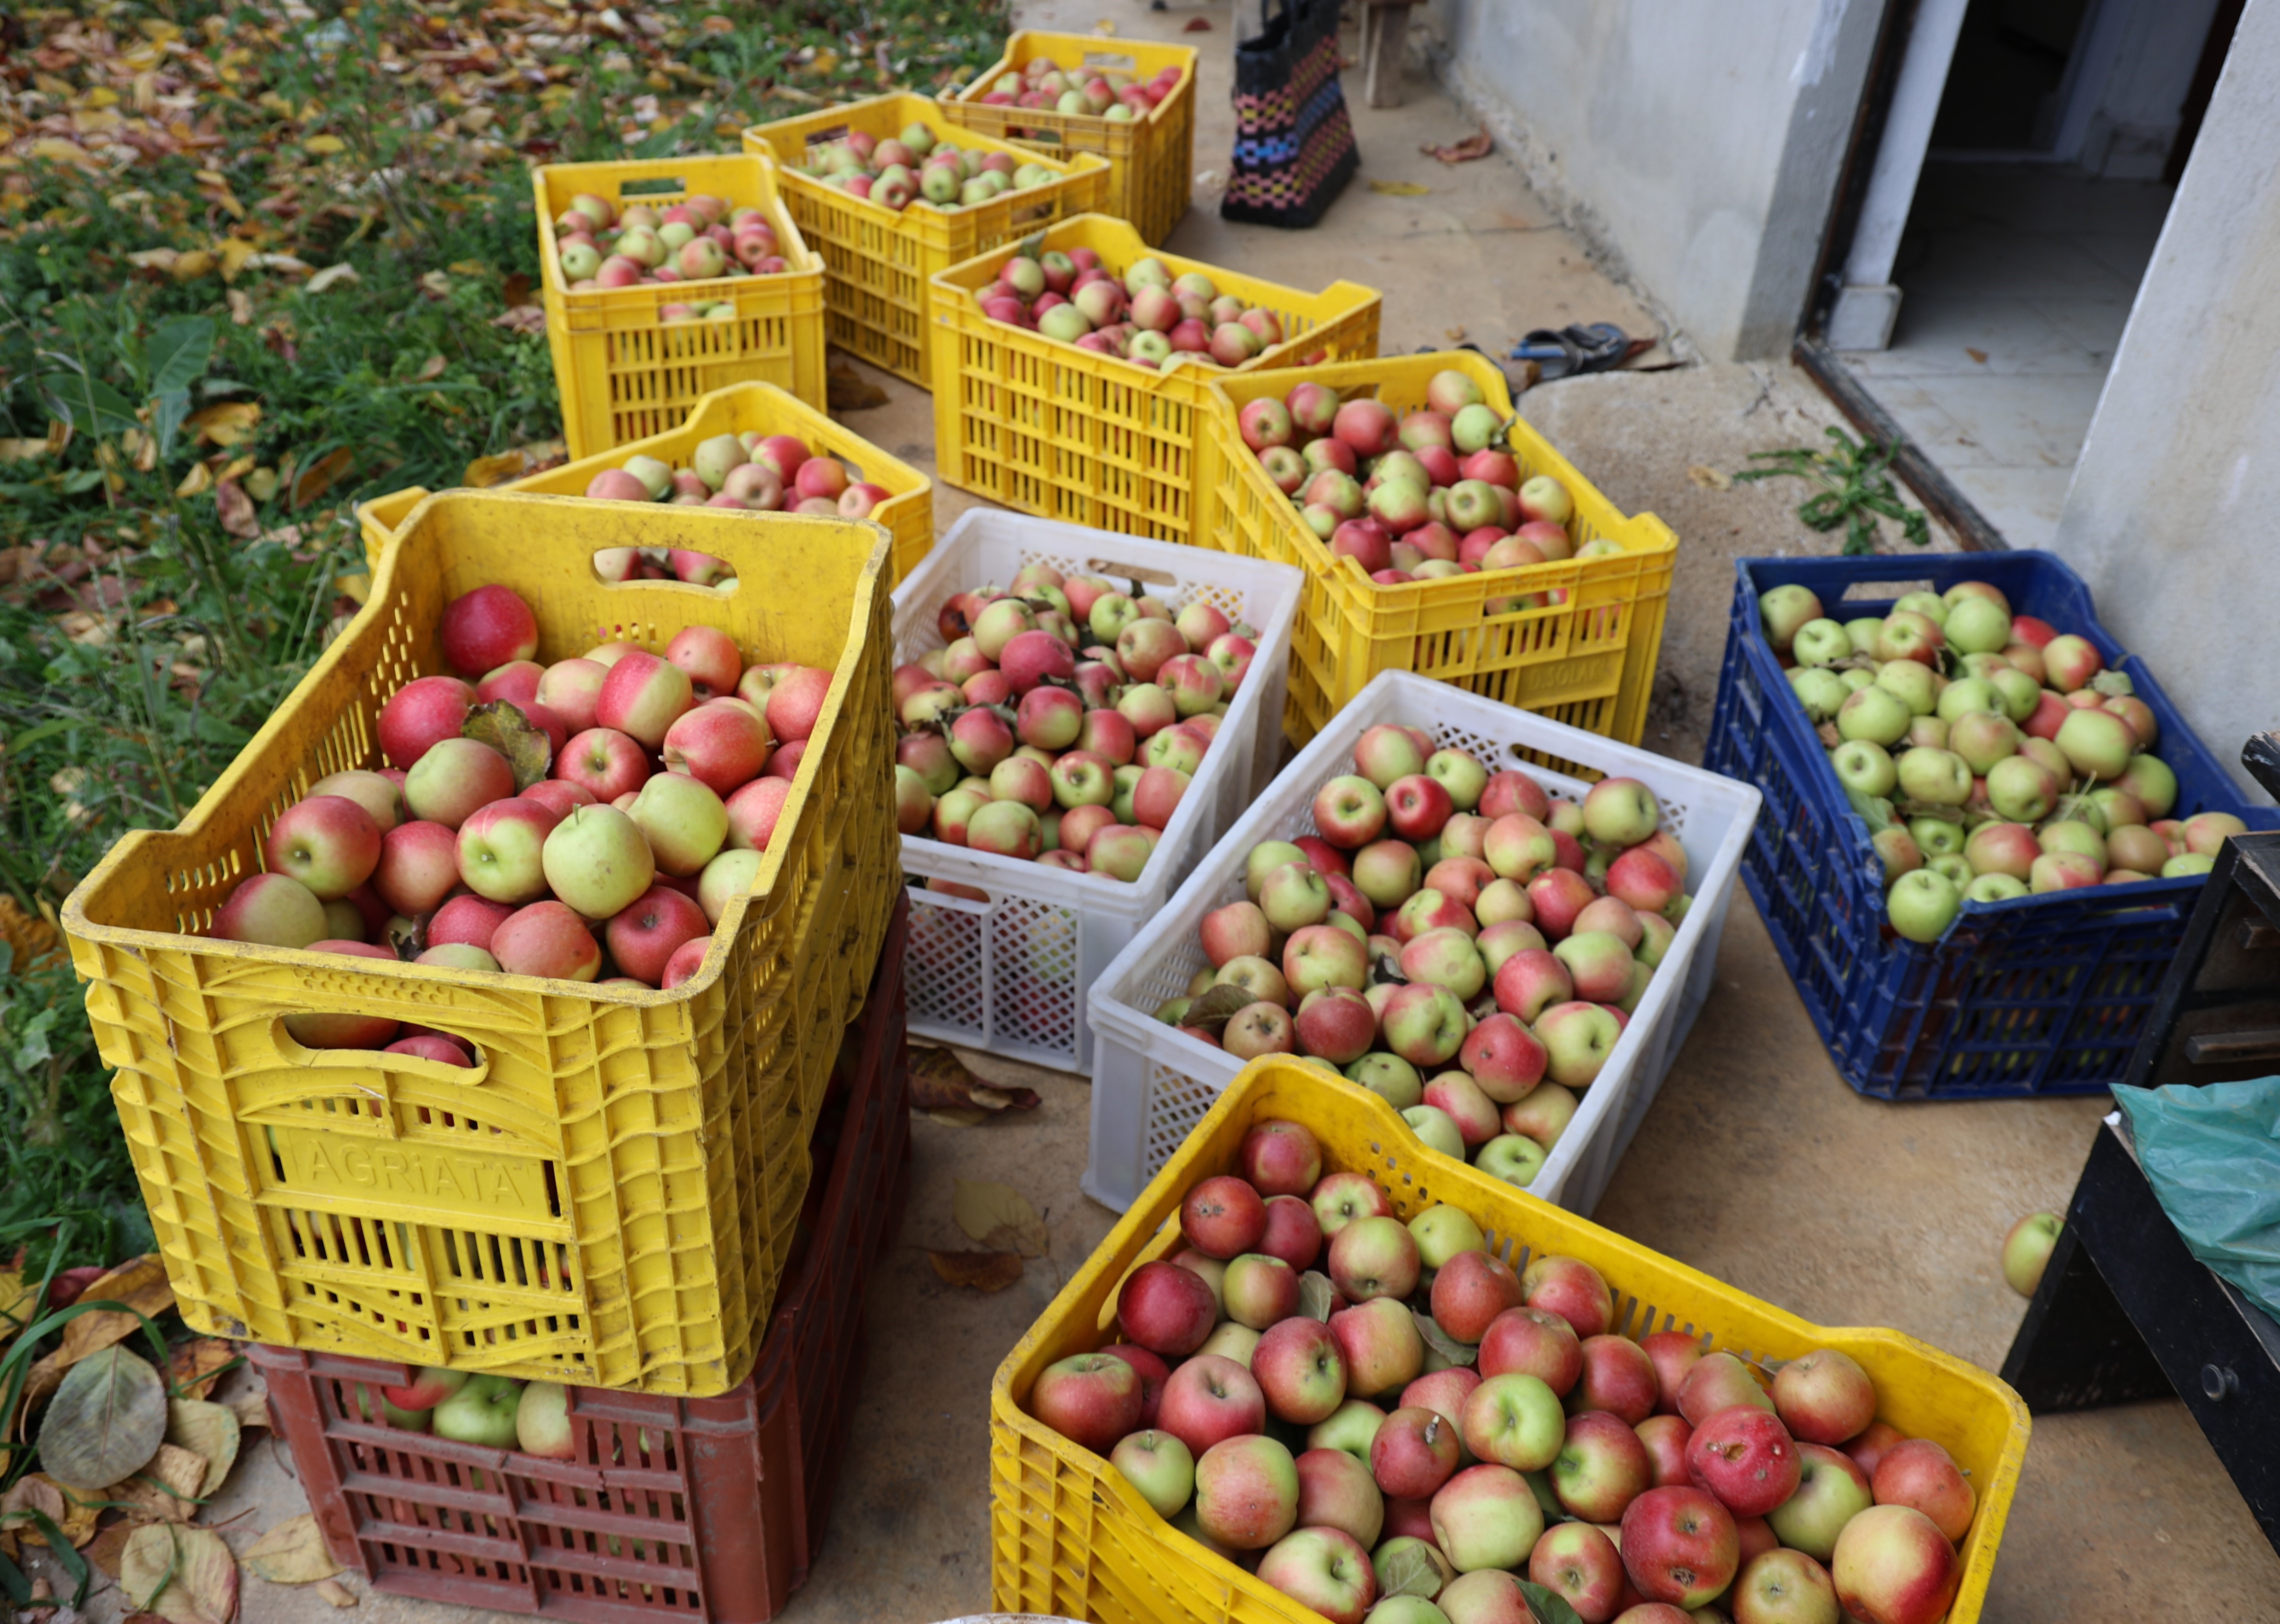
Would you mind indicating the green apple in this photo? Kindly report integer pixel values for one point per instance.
(2026, 1250)
(1818, 691)
(1863, 764)
(1922, 905)
(482, 1412)
(1513, 1158)
(1874, 713)
(1444, 1231)
(1437, 1130)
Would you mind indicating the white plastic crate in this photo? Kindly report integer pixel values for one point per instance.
(1152, 1083)
(1010, 975)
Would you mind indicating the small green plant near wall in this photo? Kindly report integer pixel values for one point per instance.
(1856, 491)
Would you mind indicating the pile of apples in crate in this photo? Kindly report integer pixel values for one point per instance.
(1147, 316)
(491, 1411)
(589, 820)
(1063, 721)
(1455, 940)
(918, 165)
(1992, 756)
(698, 239)
(1408, 1436)
(1422, 496)
(1116, 96)
(753, 471)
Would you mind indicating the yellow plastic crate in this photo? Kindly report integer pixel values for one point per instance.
(878, 260)
(623, 374)
(608, 1197)
(1587, 660)
(907, 514)
(1070, 1536)
(1094, 440)
(1151, 160)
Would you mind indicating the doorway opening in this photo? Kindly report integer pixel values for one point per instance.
(2018, 195)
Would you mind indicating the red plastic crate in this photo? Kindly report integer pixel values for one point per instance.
(703, 1509)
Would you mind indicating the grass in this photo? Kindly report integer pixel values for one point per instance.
(258, 263)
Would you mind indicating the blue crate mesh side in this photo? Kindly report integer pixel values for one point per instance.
(2040, 995)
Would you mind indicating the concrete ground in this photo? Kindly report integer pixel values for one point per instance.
(1757, 1164)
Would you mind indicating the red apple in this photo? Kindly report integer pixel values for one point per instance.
(1680, 1546)
(1222, 1217)
(486, 628)
(1745, 1457)
(1165, 1309)
(1091, 1399)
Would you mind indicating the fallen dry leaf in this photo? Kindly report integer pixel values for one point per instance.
(209, 1431)
(1000, 1217)
(529, 319)
(106, 1422)
(105, 1549)
(22, 450)
(237, 508)
(251, 1409)
(293, 1552)
(320, 476)
(224, 423)
(431, 368)
(1196, 24)
(1462, 151)
(849, 390)
(41, 1493)
(165, 1490)
(486, 472)
(194, 1367)
(1709, 478)
(940, 1081)
(977, 1271)
(331, 276)
(1399, 189)
(185, 1576)
(333, 1591)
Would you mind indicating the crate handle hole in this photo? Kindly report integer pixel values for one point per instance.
(330, 1066)
(621, 567)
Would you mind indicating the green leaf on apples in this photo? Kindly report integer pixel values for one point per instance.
(1548, 1605)
(1000, 1217)
(1409, 1571)
(501, 724)
(2112, 684)
(105, 1422)
(1873, 810)
(1447, 1346)
(1213, 1011)
(1314, 1295)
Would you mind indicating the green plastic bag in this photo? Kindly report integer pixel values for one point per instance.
(2212, 1154)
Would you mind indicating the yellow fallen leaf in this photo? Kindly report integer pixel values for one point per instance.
(331, 276)
(55, 150)
(1399, 189)
(165, 1490)
(207, 1430)
(154, 259)
(238, 469)
(140, 1283)
(224, 423)
(338, 1594)
(234, 253)
(189, 268)
(1000, 1217)
(261, 484)
(320, 476)
(197, 483)
(485, 472)
(293, 1552)
(469, 267)
(324, 146)
(22, 450)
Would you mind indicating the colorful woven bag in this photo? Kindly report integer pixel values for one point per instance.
(1294, 145)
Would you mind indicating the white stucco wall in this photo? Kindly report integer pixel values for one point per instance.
(2171, 515)
(1700, 143)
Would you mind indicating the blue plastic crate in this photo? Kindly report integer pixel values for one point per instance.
(2040, 995)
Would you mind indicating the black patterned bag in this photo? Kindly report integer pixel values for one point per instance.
(1294, 145)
